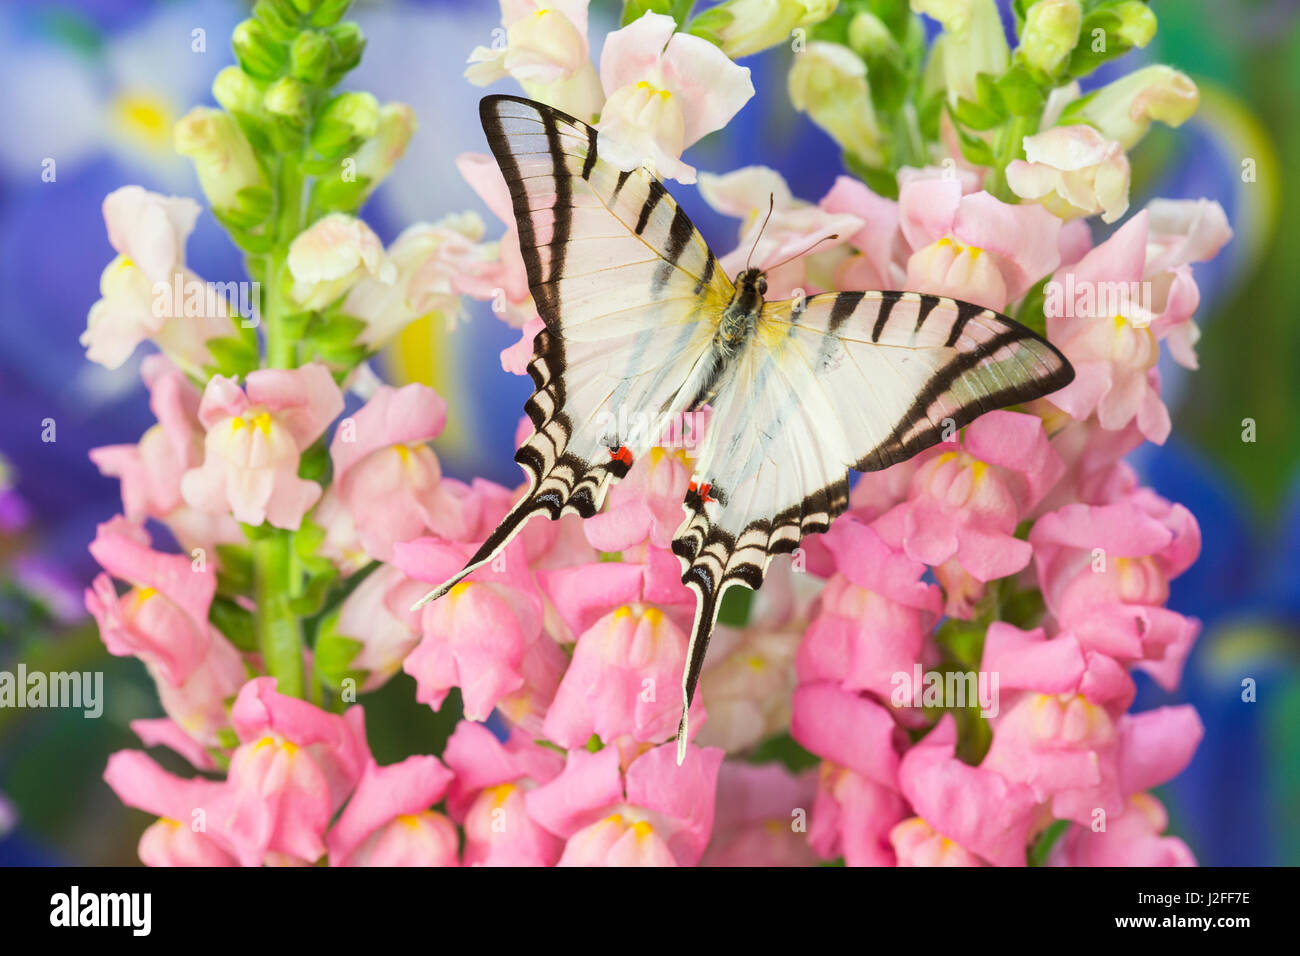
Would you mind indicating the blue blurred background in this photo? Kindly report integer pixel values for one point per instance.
(97, 84)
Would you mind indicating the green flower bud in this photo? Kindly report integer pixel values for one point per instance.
(310, 57)
(327, 12)
(829, 83)
(349, 41)
(742, 27)
(279, 17)
(287, 99)
(344, 119)
(222, 156)
(870, 37)
(1137, 23)
(1050, 33)
(259, 55)
(236, 91)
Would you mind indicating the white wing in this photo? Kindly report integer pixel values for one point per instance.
(859, 380)
(630, 293)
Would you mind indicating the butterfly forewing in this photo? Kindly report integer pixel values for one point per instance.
(860, 380)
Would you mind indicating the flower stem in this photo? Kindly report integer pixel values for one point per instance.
(279, 577)
(278, 632)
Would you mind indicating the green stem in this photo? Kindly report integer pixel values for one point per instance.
(278, 575)
(279, 634)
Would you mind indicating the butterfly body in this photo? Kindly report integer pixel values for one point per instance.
(640, 318)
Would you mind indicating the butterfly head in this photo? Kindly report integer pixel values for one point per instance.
(752, 281)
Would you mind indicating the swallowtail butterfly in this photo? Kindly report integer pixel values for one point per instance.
(639, 316)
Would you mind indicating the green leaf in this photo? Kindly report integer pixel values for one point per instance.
(783, 748)
(635, 9)
(314, 465)
(1041, 848)
(337, 330)
(972, 147)
(334, 654)
(734, 611)
(977, 117)
(1032, 314)
(1021, 94)
(231, 356)
(234, 569)
(234, 622)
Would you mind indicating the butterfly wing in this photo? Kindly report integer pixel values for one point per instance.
(860, 380)
(630, 294)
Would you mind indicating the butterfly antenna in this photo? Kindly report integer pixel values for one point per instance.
(803, 252)
(771, 206)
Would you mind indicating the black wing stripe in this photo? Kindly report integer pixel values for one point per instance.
(887, 302)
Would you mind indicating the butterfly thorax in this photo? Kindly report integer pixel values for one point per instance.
(740, 317)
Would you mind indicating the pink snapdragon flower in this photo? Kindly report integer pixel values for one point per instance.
(647, 503)
(546, 51)
(879, 262)
(1060, 735)
(761, 817)
(163, 621)
(150, 471)
(1074, 171)
(583, 593)
(795, 227)
(654, 813)
(138, 288)
(748, 681)
(974, 247)
(255, 437)
(436, 263)
(1155, 746)
(377, 615)
(189, 829)
(293, 769)
(964, 505)
(331, 255)
(857, 801)
(874, 615)
(387, 822)
(487, 796)
(1104, 571)
(981, 811)
(388, 478)
(480, 634)
(624, 683)
(664, 91)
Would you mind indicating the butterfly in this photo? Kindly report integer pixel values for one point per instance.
(639, 316)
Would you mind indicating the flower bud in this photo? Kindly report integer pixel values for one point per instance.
(310, 56)
(279, 17)
(378, 155)
(347, 117)
(222, 156)
(326, 12)
(1050, 33)
(870, 37)
(1123, 110)
(1137, 23)
(286, 99)
(236, 91)
(742, 27)
(259, 55)
(829, 83)
(349, 41)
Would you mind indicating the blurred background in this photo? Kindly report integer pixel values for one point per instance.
(97, 84)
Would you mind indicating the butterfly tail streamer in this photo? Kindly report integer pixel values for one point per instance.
(496, 542)
(706, 616)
